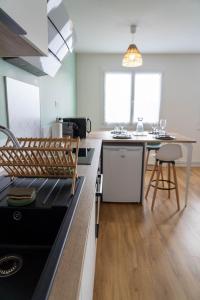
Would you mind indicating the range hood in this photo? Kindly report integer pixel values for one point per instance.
(60, 43)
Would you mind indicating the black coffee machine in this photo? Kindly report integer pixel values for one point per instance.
(76, 127)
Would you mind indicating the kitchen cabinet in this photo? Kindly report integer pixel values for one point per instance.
(88, 272)
(31, 16)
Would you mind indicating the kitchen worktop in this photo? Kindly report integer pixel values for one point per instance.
(67, 280)
(108, 137)
(66, 284)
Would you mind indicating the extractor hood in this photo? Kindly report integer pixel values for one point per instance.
(60, 43)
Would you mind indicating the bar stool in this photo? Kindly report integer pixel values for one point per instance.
(154, 146)
(167, 153)
(151, 147)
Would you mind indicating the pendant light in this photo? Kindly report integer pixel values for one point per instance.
(132, 57)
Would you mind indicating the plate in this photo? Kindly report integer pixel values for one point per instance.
(144, 133)
(165, 137)
(122, 137)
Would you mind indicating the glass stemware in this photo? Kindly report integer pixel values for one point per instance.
(163, 124)
(154, 127)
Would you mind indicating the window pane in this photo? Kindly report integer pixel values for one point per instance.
(117, 97)
(147, 97)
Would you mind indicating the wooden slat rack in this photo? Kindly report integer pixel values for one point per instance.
(41, 157)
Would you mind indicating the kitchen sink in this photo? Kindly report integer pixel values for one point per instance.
(21, 226)
(32, 239)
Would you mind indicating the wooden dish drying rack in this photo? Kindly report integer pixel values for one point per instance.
(41, 157)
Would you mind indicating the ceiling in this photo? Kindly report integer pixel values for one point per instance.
(164, 26)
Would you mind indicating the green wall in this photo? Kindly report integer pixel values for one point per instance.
(58, 94)
(60, 89)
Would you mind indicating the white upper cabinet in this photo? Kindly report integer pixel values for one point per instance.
(32, 17)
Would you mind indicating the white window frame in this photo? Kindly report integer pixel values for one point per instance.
(133, 73)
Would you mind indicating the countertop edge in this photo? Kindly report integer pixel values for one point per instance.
(66, 284)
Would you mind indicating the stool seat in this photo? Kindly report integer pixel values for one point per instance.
(153, 146)
(167, 153)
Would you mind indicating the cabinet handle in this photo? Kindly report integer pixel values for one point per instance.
(97, 231)
(99, 185)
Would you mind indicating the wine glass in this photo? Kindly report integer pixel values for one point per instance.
(154, 127)
(163, 124)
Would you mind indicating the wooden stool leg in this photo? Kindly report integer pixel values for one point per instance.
(150, 180)
(169, 179)
(162, 177)
(176, 186)
(156, 186)
(147, 159)
(161, 172)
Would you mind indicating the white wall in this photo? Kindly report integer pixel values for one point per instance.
(180, 90)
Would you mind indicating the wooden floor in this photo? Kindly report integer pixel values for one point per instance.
(150, 256)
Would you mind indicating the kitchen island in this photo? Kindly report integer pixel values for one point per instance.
(145, 138)
(107, 136)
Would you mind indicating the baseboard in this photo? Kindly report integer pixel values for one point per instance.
(179, 163)
(184, 163)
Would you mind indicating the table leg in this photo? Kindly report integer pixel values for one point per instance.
(189, 147)
(143, 172)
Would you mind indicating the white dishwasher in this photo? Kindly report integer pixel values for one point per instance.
(123, 173)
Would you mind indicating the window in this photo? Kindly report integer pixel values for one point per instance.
(147, 97)
(117, 97)
(132, 95)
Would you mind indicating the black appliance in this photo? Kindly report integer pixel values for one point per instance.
(85, 156)
(76, 127)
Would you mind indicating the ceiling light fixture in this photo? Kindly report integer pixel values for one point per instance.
(132, 57)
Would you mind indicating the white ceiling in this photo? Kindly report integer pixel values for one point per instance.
(164, 26)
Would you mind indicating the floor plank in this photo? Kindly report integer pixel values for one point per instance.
(148, 255)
